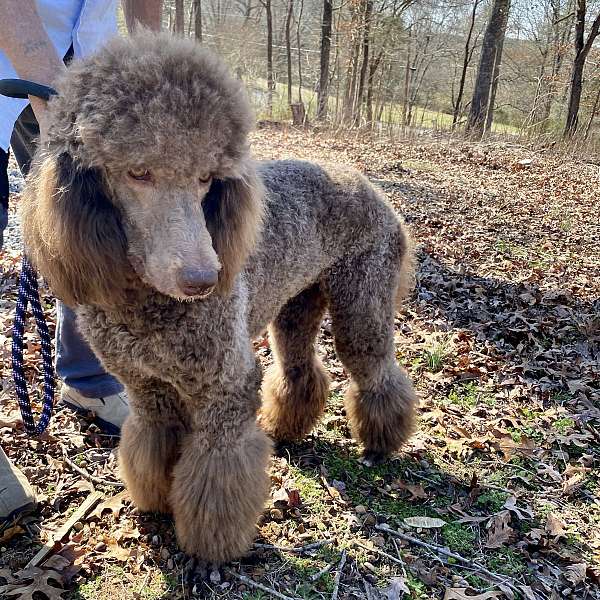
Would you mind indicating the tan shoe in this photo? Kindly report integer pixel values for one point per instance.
(109, 411)
(16, 495)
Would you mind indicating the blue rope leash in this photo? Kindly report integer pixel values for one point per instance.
(29, 293)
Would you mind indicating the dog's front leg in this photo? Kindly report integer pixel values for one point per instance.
(220, 483)
(150, 441)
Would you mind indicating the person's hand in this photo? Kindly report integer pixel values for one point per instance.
(40, 110)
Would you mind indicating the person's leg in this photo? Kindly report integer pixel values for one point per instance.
(16, 495)
(76, 363)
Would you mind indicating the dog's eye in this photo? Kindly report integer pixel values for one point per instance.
(205, 177)
(140, 174)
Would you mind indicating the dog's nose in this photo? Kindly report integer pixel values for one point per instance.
(194, 282)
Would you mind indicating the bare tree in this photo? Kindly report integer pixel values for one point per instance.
(323, 90)
(582, 49)
(482, 104)
(270, 77)
(467, 57)
(198, 19)
(288, 49)
(368, 15)
(179, 17)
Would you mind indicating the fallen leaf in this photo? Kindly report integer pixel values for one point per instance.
(396, 589)
(522, 513)
(461, 594)
(416, 491)
(424, 522)
(500, 532)
(555, 526)
(115, 505)
(575, 574)
(31, 583)
(10, 533)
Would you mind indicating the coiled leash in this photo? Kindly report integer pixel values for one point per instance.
(29, 294)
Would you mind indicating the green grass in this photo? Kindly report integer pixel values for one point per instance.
(109, 585)
(433, 357)
(392, 113)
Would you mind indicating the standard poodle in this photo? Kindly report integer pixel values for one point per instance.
(146, 212)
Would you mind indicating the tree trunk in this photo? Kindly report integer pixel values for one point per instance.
(352, 68)
(489, 118)
(288, 49)
(466, 60)
(298, 24)
(482, 111)
(370, 82)
(407, 77)
(179, 17)
(323, 93)
(198, 20)
(593, 115)
(270, 78)
(365, 59)
(582, 49)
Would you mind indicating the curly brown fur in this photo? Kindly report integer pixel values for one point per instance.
(218, 493)
(296, 386)
(144, 197)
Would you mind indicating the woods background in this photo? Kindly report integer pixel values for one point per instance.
(518, 67)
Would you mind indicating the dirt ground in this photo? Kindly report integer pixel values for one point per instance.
(497, 494)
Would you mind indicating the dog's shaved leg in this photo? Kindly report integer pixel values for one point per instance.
(149, 446)
(296, 386)
(380, 401)
(220, 483)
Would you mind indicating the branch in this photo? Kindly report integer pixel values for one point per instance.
(441, 550)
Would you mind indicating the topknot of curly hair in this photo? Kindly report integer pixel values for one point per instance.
(142, 98)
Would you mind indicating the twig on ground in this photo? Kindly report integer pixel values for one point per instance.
(322, 572)
(441, 550)
(381, 552)
(338, 576)
(299, 550)
(87, 475)
(260, 586)
(54, 542)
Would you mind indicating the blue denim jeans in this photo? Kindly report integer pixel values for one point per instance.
(76, 363)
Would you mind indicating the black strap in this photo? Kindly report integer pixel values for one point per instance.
(22, 88)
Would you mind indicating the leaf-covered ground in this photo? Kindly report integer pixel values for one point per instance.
(496, 496)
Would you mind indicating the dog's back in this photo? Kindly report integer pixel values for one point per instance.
(315, 217)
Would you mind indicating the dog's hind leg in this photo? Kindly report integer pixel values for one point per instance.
(149, 447)
(296, 386)
(362, 295)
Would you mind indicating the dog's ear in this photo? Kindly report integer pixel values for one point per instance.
(233, 209)
(73, 232)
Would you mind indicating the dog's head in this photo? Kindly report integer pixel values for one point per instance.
(146, 176)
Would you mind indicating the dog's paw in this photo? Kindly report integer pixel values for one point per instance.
(372, 458)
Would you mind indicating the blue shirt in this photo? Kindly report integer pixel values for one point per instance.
(86, 24)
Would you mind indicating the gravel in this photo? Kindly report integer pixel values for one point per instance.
(12, 233)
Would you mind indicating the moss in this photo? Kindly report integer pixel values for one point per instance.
(476, 582)
(564, 425)
(507, 562)
(459, 538)
(418, 590)
(492, 500)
